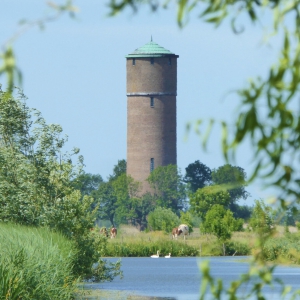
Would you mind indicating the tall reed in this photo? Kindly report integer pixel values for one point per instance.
(35, 263)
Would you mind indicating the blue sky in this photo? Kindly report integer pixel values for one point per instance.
(74, 73)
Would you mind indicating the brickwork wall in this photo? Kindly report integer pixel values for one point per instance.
(159, 77)
(151, 131)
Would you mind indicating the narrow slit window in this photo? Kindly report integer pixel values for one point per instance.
(151, 102)
(133, 61)
(152, 60)
(151, 164)
(170, 61)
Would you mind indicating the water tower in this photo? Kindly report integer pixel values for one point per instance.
(151, 110)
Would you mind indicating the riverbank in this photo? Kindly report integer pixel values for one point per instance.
(282, 247)
(98, 294)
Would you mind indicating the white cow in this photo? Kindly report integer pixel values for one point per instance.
(184, 229)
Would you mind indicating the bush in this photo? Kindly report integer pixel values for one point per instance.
(237, 248)
(163, 219)
(286, 248)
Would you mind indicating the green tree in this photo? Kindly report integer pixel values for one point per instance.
(126, 191)
(197, 175)
(163, 219)
(168, 186)
(262, 218)
(241, 211)
(36, 182)
(87, 183)
(143, 206)
(221, 223)
(119, 169)
(107, 202)
(34, 172)
(106, 194)
(233, 178)
(204, 199)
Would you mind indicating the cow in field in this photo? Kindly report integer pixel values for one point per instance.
(183, 229)
(113, 232)
(175, 233)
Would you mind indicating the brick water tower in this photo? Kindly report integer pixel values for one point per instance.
(151, 110)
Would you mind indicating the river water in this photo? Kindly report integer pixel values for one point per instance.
(179, 278)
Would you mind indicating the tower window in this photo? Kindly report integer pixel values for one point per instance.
(133, 61)
(170, 61)
(151, 102)
(152, 60)
(151, 164)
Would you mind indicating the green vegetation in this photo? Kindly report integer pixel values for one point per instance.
(272, 131)
(163, 219)
(35, 263)
(261, 219)
(197, 176)
(37, 190)
(221, 223)
(187, 219)
(168, 186)
(147, 248)
(132, 242)
(285, 249)
(120, 201)
(204, 199)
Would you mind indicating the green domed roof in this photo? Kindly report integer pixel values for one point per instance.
(150, 49)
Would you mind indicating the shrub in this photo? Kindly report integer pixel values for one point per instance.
(163, 219)
(237, 248)
(285, 248)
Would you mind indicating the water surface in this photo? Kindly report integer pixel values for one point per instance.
(179, 278)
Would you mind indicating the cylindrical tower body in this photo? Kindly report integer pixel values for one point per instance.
(151, 110)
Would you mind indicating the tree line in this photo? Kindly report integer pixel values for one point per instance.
(174, 198)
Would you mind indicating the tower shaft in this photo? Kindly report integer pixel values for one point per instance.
(151, 113)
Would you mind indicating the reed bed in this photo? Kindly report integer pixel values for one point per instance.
(147, 248)
(35, 263)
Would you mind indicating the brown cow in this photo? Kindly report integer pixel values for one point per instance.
(113, 232)
(176, 232)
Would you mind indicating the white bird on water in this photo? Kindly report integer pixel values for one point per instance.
(155, 256)
(168, 256)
